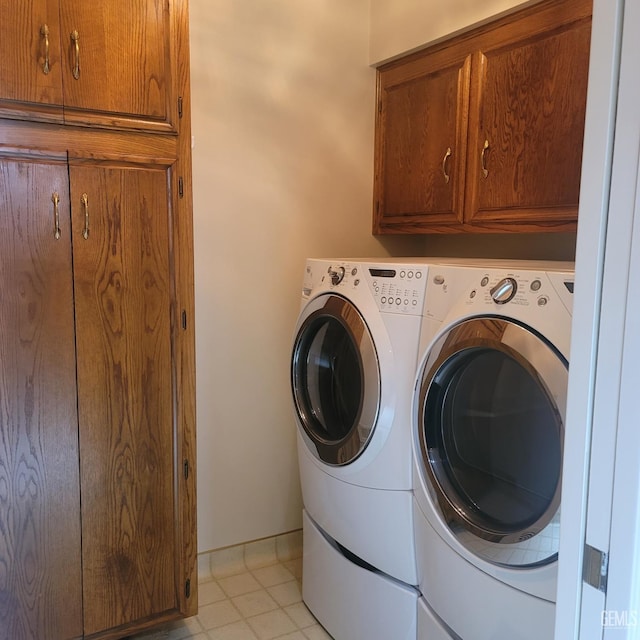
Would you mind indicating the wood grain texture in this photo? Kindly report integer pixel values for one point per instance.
(126, 396)
(424, 119)
(22, 52)
(125, 60)
(184, 335)
(40, 573)
(129, 149)
(531, 103)
(527, 99)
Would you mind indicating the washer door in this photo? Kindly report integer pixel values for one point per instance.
(335, 379)
(491, 428)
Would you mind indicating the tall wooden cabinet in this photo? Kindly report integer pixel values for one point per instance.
(483, 132)
(97, 383)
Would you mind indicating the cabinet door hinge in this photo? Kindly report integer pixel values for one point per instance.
(181, 187)
(595, 568)
(184, 320)
(179, 106)
(185, 468)
(187, 589)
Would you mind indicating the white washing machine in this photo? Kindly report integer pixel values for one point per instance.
(489, 411)
(353, 369)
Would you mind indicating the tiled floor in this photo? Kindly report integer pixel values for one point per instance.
(250, 593)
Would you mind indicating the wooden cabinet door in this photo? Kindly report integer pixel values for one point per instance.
(117, 68)
(123, 285)
(421, 137)
(40, 571)
(527, 124)
(30, 69)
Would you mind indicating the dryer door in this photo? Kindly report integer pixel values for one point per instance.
(335, 379)
(490, 419)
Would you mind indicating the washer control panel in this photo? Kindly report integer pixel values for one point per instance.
(395, 288)
(398, 289)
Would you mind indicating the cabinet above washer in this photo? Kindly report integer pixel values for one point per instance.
(483, 132)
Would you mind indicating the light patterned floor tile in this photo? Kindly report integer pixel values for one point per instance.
(300, 615)
(238, 603)
(235, 631)
(218, 614)
(237, 585)
(275, 574)
(286, 593)
(295, 567)
(272, 624)
(254, 603)
(316, 633)
(209, 592)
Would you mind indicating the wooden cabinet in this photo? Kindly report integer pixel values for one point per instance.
(122, 283)
(110, 64)
(484, 132)
(97, 363)
(40, 588)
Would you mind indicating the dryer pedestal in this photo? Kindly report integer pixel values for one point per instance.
(374, 524)
(429, 627)
(335, 589)
(475, 605)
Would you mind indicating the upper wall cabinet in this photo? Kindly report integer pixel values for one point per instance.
(484, 132)
(107, 64)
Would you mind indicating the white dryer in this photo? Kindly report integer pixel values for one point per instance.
(489, 412)
(354, 360)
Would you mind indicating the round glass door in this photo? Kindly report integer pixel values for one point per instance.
(335, 379)
(491, 429)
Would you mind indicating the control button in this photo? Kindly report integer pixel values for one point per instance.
(535, 285)
(438, 279)
(414, 302)
(406, 302)
(504, 291)
(354, 271)
(402, 274)
(472, 294)
(542, 301)
(356, 282)
(418, 274)
(383, 299)
(410, 274)
(398, 301)
(484, 282)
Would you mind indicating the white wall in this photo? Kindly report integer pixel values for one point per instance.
(282, 109)
(398, 26)
(283, 113)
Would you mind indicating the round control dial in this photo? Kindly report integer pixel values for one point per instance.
(504, 290)
(336, 275)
